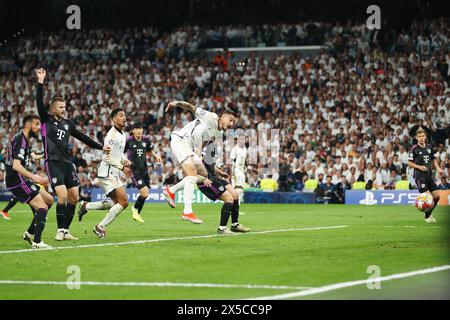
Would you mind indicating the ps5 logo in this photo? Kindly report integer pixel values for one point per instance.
(389, 197)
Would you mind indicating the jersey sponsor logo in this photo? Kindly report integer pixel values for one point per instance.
(61, 134)
(140, 152)
(426, 159)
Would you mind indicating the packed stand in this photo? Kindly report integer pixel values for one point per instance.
(345, 115)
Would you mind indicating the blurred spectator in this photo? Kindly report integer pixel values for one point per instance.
(444, 185)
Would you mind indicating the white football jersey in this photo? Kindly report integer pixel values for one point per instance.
(203, 129)
(238, 156)
(113, 160)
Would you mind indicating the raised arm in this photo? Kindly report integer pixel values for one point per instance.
(181, 104)
(42, 110)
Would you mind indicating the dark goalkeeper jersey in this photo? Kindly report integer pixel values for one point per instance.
(56, 134)
(137, 153)
(422, 157)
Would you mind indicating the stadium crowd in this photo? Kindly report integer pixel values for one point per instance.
(345, 115)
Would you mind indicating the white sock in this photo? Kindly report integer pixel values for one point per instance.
(100, 205)
(189, 187)
(241, 195)
(222, 227)
(178, 186)
(111, 215)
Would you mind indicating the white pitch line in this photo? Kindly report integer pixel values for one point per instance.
(342, 285)
(152, 284)
(166, 239)
(428, 227)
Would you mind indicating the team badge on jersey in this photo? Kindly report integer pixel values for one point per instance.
(33, 187)
(54, 179)
(140, 182)
(66, 126)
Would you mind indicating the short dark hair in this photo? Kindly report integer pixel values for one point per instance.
(116, 111)
(232, 112)
(137, 125)
(56, 99)
(29, 118)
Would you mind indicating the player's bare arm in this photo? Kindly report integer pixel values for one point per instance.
(417, 167)
(17, 166)
(35, 156)
(436, 166)
(155, 156)
(182, 105)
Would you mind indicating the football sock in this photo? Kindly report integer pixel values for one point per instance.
(31, 229)
(139, 204)
(190, 182)
(235, 212)
(10, 204)
(69, 213)
(100, 205)
(227, 209)
(178, 186)
(41, 216)
(241, 195)
(428, 214)
(60, 215)
(111, 215)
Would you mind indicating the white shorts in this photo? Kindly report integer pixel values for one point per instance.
(111, 183)
(181, 150)
(238, 178)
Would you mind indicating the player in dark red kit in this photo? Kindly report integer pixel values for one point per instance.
(23, 184)
(421, 158)
(56, 131)
(137, 148)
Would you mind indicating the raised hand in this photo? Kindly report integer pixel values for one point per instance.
(40, 74)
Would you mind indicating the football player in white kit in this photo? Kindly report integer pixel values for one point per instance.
(238, 155)
(186, 145)
(109, 170)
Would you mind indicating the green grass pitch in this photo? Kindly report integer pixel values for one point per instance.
(187, 261)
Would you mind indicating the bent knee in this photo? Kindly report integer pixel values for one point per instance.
(124, 203)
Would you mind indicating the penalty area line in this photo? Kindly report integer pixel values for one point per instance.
(168, 239)
(341, 285)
